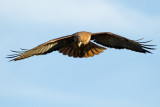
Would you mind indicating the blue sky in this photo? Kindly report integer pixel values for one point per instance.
(116, 78)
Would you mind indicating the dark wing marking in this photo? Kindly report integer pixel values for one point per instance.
(42, 49)
(118, 42)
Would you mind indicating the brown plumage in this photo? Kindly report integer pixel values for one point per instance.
(79, 45)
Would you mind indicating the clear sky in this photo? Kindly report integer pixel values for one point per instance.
(116, 78)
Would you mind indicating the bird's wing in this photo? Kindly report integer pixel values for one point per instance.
(42, 49)
(118, 42)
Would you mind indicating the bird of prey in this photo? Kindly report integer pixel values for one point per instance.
(83, 45)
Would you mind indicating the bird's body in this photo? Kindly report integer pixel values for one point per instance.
(80, 45)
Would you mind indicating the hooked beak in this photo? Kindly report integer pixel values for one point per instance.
(79, 44)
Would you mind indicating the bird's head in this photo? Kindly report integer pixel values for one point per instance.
(82, 38)
(78, 39)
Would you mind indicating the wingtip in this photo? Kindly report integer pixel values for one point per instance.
(146, 51)
(146, 47)
(139, 39)
(11, 59)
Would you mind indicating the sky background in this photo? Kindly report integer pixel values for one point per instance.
(116, 78)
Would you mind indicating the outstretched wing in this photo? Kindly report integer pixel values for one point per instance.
(118, 42)
(42, 49)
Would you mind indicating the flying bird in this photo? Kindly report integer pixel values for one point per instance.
(83, 45)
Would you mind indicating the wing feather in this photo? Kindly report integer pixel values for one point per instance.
(88, 50)
(90, 53)
(71, 52)
(67, 51)
(85, 54)
(94, 51)
(118, 42)
(75, 55)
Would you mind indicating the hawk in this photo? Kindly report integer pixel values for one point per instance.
(83, 45)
